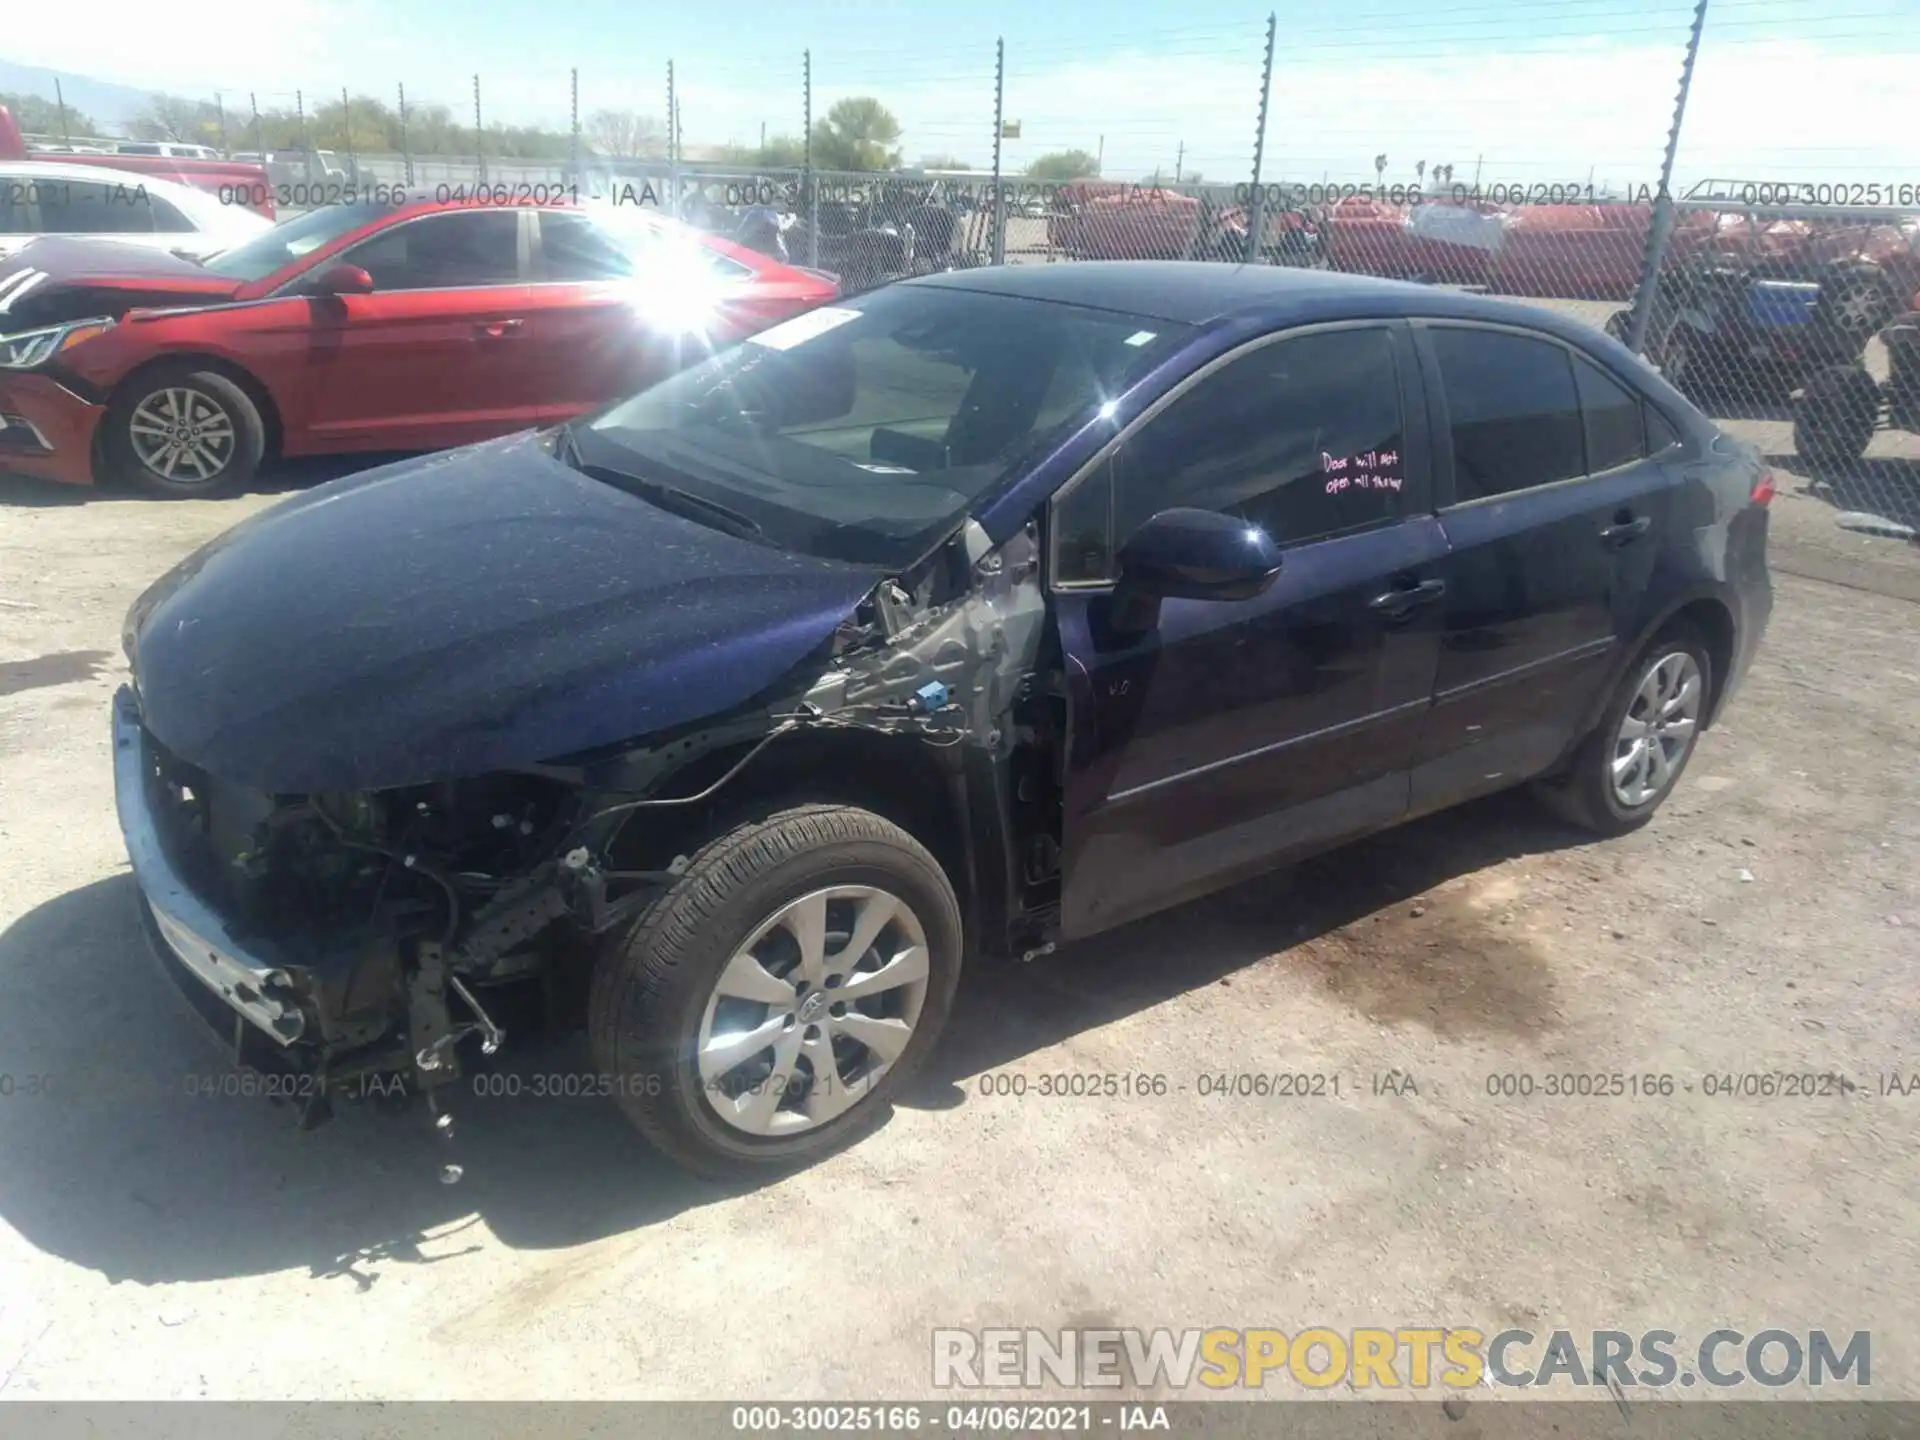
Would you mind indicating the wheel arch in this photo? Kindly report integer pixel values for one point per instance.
(946, 797)
(254, 388)
(1712, 610)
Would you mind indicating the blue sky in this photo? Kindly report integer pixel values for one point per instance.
(1536, 90)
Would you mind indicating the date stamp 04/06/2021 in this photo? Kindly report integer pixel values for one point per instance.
(1517, 1087)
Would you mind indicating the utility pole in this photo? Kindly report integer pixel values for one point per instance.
(1179, 161)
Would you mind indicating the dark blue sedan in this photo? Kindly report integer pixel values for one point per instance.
(976, 614)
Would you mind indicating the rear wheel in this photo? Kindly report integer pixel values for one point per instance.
(1630, 763)
(1834, 421)
(178, 431)
(762, 1013)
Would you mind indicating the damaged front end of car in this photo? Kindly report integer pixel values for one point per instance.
(359, 940)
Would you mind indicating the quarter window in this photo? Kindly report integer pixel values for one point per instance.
(1616, 433)
(1514, 412)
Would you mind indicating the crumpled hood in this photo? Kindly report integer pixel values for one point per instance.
(58, 278)
(464, 612)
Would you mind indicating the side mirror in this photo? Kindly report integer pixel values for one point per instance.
(340, 278)
(1185, 554)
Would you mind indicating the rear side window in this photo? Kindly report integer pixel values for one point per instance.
(574, 248)
(1616, 432)
(1514, 412)
(87, 207)
(168, 220)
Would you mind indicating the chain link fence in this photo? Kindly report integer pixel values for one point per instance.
(1776, 301)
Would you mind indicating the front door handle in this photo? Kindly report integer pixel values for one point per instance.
(1626, 528)
(1403, 600)
(497, 329)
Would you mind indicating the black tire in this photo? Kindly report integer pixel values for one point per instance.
(213, 394)
(1856, 299)
(1583, 792)
(1833, 422)
(652, 989)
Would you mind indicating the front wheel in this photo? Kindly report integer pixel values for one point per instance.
(761, 1014)
(178, 431)
(1630, 763)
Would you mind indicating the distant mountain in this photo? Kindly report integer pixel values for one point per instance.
(112, 105)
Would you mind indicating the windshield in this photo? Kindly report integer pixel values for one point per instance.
(861, 431)
(291, 239)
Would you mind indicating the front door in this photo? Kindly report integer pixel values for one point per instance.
(1554, 514)
(1228, 736)
(437, 354)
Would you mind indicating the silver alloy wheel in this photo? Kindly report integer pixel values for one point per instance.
(181, 435)
(1658, 728)
(812, 1010)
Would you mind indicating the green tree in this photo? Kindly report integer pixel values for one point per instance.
(943, 162)
(1064, 165)
(36, 115)
(858, 133)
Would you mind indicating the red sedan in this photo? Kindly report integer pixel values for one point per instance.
(405, 324)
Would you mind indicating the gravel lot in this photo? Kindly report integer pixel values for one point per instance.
(154, 1244)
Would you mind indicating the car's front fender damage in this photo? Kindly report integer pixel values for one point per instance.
(391, 927)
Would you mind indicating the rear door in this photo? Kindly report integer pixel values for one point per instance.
(1553, 514)
(437, 354)
(1233, 735)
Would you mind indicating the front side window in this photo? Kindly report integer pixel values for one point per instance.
(1515, 415)
(455, 250)
(860, 431)
(1303, 438)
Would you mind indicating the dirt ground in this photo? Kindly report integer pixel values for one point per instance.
(157, 1244)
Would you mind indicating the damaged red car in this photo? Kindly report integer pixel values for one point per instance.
(399, 322)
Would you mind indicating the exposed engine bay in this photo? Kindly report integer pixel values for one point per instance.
(402, 922)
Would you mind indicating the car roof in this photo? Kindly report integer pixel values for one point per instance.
(1194, 292)
(56, 170)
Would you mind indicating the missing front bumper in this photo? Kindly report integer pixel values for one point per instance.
(253, 984)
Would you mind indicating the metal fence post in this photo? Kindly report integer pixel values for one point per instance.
(1661, 229)
(60, 100)
(999, 251)
(1256, 205)
(406, 155)
(220, 109)
(573, 130)
(259, 145)
(306, 140)
(673, 148)
(806, 140)
(346, 123)
(479, 139)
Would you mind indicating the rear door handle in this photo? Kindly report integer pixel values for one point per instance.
(1403, 600)
(1625, 532)
(497, 329)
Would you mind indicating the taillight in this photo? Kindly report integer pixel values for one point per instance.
(1762, 488)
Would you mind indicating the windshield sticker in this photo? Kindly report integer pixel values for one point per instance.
(1369, 470)
(803, 328)
(1140, 337)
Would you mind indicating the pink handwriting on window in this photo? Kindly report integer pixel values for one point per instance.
(1364, 471)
